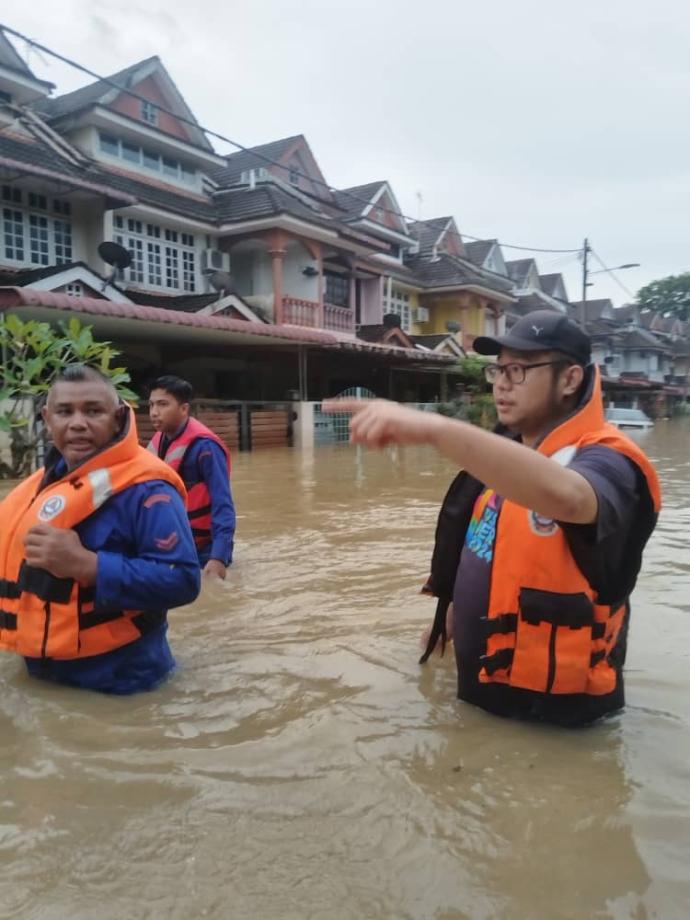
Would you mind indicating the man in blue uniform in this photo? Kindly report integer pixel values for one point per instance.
(202, 460)
(129, 557)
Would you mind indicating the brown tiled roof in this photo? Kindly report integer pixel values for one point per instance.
(354, 200)
(28, 154)
(253, 158)
(518, 269)
(478, 250)
(427, 232)
(449, 271)
(27, 297)
(12, 60)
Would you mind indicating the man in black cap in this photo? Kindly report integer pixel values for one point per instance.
(539, 540)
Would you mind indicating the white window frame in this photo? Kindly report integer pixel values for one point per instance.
(162, 258)
(41, 235)
(399, 303)
(149, 112)
(180, 172)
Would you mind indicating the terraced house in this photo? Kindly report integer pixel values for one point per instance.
(124, 160)
(248, 273)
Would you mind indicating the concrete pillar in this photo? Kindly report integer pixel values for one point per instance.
(303, 425)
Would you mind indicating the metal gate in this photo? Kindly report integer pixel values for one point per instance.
(334, 427)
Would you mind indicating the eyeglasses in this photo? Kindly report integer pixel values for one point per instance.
(515, 373)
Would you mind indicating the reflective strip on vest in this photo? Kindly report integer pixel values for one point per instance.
(177, 453)
(101, 486)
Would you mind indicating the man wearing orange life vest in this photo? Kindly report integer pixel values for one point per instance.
(95, 548)
(203, 462)
(539, 539)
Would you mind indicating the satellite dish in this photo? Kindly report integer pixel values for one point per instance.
(223, 282)
(115, 255)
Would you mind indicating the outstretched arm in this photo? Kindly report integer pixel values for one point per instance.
(516, 472)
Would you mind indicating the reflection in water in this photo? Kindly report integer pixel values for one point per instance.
(300, 764)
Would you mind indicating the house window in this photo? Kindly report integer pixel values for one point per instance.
(131, 153)
(74, 288)
(13, 232)
(256, 175)
(337, 289)
(38, 202)
(62, 233)
(149, 112)
(39, 252)
(399, 303)
(32, 237)
(154, 275)
(170, 265)
(11, 194)
(148, 159)
(294, 176)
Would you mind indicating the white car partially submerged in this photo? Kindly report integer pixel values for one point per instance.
(628, 418)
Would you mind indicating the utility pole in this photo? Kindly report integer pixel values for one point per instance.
(583, 305)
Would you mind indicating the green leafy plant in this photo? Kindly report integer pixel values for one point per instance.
(33, 354)
(476, 405)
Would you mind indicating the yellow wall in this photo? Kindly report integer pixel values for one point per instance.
(461, 307)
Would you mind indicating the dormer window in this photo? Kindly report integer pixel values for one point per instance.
(149, 159)
(149, 112)
(254, 175)
(294, 176)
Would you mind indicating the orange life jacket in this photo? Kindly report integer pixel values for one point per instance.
(199, 504)
(546, 629)
(42, 616)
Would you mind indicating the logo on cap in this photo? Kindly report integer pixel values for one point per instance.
(537, 329)
(51, 507)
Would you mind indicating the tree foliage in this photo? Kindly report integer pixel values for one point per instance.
(33, 354)
(669, 296)
(477, 404)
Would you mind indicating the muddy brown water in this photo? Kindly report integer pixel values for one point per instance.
(300, 764)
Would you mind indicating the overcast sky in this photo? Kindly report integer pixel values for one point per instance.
(538, 122)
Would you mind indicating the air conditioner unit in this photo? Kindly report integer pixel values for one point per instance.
(421, 314)
(213, 260)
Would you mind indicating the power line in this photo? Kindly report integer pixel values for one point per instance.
(613, 275)
(241, 147)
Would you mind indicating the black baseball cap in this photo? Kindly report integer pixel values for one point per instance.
(541, 330)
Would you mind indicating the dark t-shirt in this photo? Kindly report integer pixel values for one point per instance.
(597, 549)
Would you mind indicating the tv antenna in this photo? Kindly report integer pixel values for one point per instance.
(115, 255)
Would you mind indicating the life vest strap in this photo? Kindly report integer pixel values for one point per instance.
(44, 585)
(201, 532)
(199, 512)
(499, 661)
(89, 620)
(9, 589)
(438, 630)
(596, 657)
(8, 620)
(502, 625)
(572, 610)
(598, 630)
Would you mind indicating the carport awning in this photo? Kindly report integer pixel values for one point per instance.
(157, 324)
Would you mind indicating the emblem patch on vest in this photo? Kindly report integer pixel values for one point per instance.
(51, 507)
(541, 526)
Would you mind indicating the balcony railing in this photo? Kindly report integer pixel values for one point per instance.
(339, 319)
(298, 312)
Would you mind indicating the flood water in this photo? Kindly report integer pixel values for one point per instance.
(300, 764)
